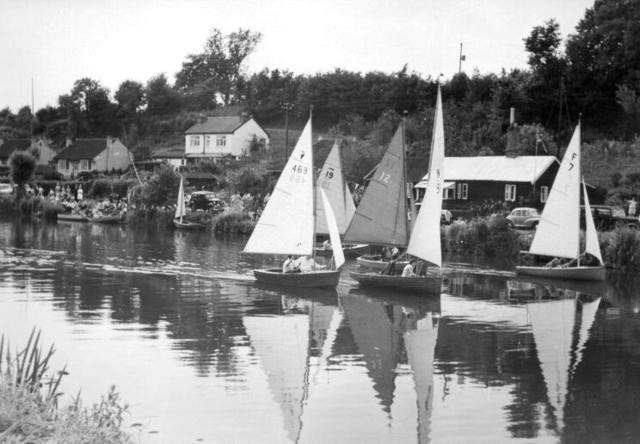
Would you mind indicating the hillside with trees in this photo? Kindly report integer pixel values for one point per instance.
(595, 75)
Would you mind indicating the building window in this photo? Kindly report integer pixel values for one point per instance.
(63, 164)
(84, 164)
(195, 140)
(448, 193)
(221, 141)
(544, 193)
(207, 141)
(465, 191)
(510, 192)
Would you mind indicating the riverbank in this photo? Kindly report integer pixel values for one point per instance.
(29, 403)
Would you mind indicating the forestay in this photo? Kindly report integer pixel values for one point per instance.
(334, 235)
(381, 217)
(592, 246)
(286, 224)
(558, 232)
(331, 181)
(425, 237)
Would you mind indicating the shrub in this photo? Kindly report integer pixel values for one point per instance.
(103, 188)
(621, 250)
(22, 166)
(233, 222)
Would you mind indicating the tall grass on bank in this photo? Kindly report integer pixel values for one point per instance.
(621, 250)
(29, 411)
(483, 237)
(29, 206)
(233, 222)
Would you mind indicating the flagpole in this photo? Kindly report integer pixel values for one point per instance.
(460, 60)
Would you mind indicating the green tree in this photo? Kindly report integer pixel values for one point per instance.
(219, 67)
(130, 97)
(162, 99)
(162, 188)
(22, 165)
(89, 109)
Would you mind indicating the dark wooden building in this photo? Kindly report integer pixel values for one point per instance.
(472, 181)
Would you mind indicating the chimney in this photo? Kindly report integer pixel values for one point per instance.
(109, 141)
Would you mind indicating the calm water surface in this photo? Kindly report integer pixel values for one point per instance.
(202, 354)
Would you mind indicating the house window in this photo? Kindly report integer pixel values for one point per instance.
(448, 193)
(510, 192)
(207, 141)
(544, 193)
(465, 191)
(195, 140)
(63, 164)
(221, 141)
(84, 164)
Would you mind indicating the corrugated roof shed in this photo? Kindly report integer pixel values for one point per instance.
(8, 146)
(497, 168)
(83, 149)
(217, 125)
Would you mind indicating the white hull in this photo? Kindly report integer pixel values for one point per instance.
(572, 273)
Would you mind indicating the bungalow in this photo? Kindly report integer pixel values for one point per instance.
(474, 180)
(41, 144)
(83, 155)
(174, 156)
(221, 136)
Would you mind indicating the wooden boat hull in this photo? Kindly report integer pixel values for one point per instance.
(185, 225)
(581, 273)
(379, 264)
(318, 278)
(431, 284)
(72, 217)
(108, 219)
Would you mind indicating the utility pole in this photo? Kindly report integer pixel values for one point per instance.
(461, 59)
(286, 107)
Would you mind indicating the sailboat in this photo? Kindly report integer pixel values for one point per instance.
(287, 224)
(181, 212)
(331, 181)
(388, 190)
(558, 233)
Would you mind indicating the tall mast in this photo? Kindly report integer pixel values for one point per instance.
(313, 187)
(404, 178)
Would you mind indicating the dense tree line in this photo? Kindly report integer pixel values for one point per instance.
(597, 75)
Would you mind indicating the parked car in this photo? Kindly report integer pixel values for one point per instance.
(524, 217)
(6, 188)
(207, 201)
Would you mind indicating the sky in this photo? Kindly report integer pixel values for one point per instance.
(56, 42)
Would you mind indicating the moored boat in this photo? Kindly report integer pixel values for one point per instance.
(181, 212)
(108, 219)
(73, 217)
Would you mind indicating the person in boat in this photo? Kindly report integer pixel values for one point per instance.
(556, 262)
(386, 253)
(289, 265)
(585, 259)
(395, 252)
(326, 245)
(390, 269)
(307, 264)
(408, 270)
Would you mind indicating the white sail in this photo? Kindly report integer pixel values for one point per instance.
(592, 245)
(180, 209)
(334, 235)
(552, 324)
(331, 181)
(558, 233)
(286, 224)
(424, 241)
(589, 310)
(421, 345)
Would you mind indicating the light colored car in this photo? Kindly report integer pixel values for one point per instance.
(524, 217)
(6, 188)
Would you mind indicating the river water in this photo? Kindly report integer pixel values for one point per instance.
(202, 354)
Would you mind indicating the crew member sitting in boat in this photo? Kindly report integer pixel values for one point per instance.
(307, 264)
(326, 245)
(289, 265)
(390, 269)
(585, 259)
(408, 269)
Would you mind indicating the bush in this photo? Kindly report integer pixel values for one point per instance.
(103, 188)
(233, 222)
(621, 250)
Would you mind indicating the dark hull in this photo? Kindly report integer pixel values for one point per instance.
(570, 273)
(72, 217)
(108, 219)
(318, 278)
(428, 284)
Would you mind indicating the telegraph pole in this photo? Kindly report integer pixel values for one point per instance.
(286, 107)
(461, 59)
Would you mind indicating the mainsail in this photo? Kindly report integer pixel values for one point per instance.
(180, 209)
(332, 182)
(558, 232)
(381, 217)
(425, 238)
(286, 224)
(592, 246)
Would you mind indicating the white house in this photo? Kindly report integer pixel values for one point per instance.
(82, 155)
(221, 136)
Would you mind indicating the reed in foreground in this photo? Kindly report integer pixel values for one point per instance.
(29, 410)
